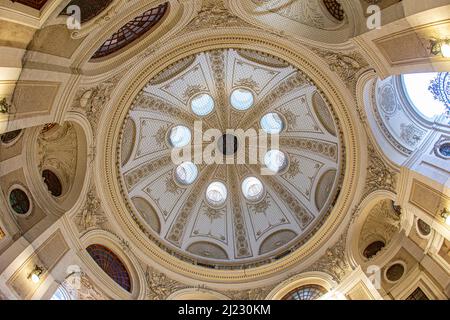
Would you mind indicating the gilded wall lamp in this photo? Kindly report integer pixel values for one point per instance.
(36, 274)
(440, 47)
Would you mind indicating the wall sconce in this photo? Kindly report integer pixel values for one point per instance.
(35, 275)
(440, 47)
(445, 214)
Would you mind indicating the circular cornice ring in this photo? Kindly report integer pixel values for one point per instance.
(183, 47)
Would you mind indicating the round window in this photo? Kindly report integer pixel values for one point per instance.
(202, 104)
(216, 193)
(373, 248)
(186, 173)
(19, 201)
(272, 123)
(275, 160)
(180, 136)
(395, 272)
(9, 137)
(242, 99)
(444, 149)
(424, 228)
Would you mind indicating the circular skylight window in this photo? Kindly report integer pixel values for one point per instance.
(202, 104)
(272, 123)
(242, 99)
(180, 136)
(186, 173)
(427, 92)
(216, 193)
(252, 188)
(275, 160)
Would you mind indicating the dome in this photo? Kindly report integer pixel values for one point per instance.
(230, 200)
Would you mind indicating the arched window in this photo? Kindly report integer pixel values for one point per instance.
(111, 264)
(308, 292)
(19, 201)
(89, 9)
(429, 93)
(131, 31)
(9, 137)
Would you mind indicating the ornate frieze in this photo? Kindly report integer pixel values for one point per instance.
(348, 66)
(91, 215)
(334, 261)
(92, 100)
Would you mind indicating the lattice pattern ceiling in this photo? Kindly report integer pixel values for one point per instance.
(309, 292)
(36, 4)
(131, 31)
(335, 9)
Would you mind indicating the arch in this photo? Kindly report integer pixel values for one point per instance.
(365, 229)
(56, 164)
(276, 240)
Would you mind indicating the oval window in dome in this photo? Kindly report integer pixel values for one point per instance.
(186, 173)
(242, 99)
(202, 104)
(180, 136)
(252, 188)
(275, 160)
(216, 193)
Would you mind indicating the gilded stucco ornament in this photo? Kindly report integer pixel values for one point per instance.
(214, 14)
(379, 175)
(91, 216)
(334, 261)
(92, 100)
(159, 286)
(348, 66)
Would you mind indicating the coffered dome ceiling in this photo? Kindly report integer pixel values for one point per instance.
(230, 215)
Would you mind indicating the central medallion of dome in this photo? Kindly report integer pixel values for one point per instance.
(238, 104)
(228, 144)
